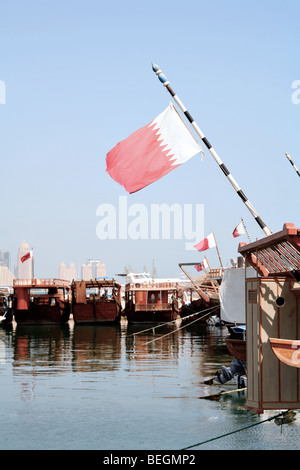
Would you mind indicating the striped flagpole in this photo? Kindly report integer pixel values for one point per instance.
(293, 164)
(236, 187)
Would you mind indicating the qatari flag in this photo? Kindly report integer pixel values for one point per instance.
(239, 230)
(206, 243)
(152, 151)
(26, 257)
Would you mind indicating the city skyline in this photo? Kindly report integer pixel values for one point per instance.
(90, 269)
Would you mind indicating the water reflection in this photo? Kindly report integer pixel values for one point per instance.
(152, 340)
(56, 349)
(96, 347)
(59, 348)
(121, 378)
(40, 345)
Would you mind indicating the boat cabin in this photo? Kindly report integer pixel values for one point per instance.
(151, 300)
(96, 301)
(273, 320)
(41, 301)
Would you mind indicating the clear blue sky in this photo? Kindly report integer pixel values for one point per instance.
(78, 80)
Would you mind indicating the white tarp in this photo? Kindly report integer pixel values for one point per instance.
(232, 294)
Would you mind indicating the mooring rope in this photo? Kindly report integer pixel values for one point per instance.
(180, 328)
(173, 321)
(237, 430)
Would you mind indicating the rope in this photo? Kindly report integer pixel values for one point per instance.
(173, 321)
(152, 328)
(167, 334)
(237, 430)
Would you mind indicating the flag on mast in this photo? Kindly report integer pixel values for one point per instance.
(206, 243)
(239, 230)
(163, 79)
(152, 151)
(26, 256)
(201, 266)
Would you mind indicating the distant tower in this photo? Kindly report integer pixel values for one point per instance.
(67, 273)
(5, 259)
(24, 270)
(100, 270)
(86, 272)
(92, 270)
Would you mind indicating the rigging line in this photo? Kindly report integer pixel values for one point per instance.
(237, 430)
(180, 328)
(169, 322)
(152, 328)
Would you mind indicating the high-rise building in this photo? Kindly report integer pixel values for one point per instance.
(67, 273)
(6, 277)
(92, 270)
(5, 259)
(86, 272)
(24, 270)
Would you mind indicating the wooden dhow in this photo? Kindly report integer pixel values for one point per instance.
(96, 301)
(41, 301)
(150, 300)
(203, 293)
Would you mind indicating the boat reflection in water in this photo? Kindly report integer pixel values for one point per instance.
(60, 349)
(53, 349)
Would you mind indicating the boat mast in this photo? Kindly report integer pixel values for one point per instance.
(218, 251)
(236, 187)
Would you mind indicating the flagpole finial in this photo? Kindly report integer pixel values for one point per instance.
(160, 75)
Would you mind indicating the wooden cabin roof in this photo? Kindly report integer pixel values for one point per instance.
(97, 283)
(276, 254)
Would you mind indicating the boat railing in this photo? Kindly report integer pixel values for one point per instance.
(216, 272)
(155, 306)
(151, 285)
(41, 283)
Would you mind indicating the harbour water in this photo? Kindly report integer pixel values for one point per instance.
(125, 387)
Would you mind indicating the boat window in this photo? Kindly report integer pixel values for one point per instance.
(252, 296)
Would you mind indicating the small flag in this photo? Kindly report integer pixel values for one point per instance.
(208, 242)
(239, 230)
(201, 266)
(152, 151)
(26, 257)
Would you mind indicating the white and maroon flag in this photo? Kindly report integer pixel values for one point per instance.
(26, 256)
(202, 265)
(239, 230)
(152, 151)
(208, 242)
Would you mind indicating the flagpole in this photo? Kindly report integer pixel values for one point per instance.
(166, 83)
(293, 164)
(218, 251)
(207, 263)
(246, 230)
(32, 265)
